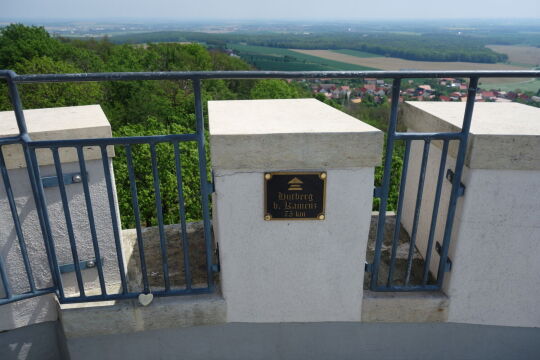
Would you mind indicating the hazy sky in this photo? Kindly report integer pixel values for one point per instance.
(269, 9)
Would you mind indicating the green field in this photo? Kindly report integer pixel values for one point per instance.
(361, 54)
(279, 59)
(529, 85)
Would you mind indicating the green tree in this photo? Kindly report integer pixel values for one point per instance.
(274, 89)
(51, 95)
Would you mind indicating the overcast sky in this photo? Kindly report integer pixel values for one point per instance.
(269, 9)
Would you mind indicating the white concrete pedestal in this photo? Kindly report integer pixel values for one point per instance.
(301, 270)
(55, 124)
(495, 247)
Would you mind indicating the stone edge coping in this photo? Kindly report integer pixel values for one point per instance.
(62, 123)
(354, 145)
(484, 151)
(127, 316)
(416, 307)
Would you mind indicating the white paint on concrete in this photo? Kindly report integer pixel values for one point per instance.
(289, 134)
(291, 271)
(61, 123)
(9, 242)
(495, 243)
(27, 312)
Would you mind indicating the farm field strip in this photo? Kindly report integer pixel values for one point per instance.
(269, 58)
(519, 54)
(389, 63)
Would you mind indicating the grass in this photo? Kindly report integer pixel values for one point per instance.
(268, 58)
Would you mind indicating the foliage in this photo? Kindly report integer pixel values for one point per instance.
(134, 108)
(144, 179)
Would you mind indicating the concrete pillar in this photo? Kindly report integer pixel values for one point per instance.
(54, 124)
(285, 270)
(495, 248)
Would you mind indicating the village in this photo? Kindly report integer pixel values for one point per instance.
(377, 91)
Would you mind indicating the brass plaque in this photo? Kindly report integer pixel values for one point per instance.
(294, 196)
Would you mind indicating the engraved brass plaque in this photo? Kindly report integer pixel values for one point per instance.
(294, 195)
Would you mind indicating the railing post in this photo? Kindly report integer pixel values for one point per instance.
(289, 270)
(43, 210)
(491, 233)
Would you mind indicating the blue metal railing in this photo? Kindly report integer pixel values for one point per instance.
(30, 146)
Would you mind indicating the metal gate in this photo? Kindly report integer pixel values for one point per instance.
(425, 281)
(37, 183)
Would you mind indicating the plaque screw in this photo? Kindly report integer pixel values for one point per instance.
(322, 176)
(267, 176)
(267, 217)
(321, 217)
(76, 178)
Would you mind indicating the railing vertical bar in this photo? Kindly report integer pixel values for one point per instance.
(114, 218)
(43, 215)
(5, 281)
(417, 209)
(435, 213)
(203, 179)
(69, 224)
(458, 172)
(136, 213)
(91, 221)
(159, 213)
(182, 213)
(16, 222)
(32, 168)
(397, 227)
(392, 124)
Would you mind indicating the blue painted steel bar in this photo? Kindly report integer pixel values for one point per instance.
(5, 280)
(113, 141)
(427, 135)
(69, 224)
(417, 209)
(159, 213)
(10, 140)
(397, 227)
(182, 213)
(114, 218)
(91, 221)
(32, 168)
(407, 288)
(392, 124)
(435, 213)
(27, 295)
(16, 222)
(17, 106)
(203, 181)
(460, 163)
(202, 75)
(43, 214)
(136, 214)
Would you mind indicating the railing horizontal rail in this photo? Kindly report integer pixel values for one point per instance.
(428, 135)
(202, 75)
(113, 141)
(27, 295)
